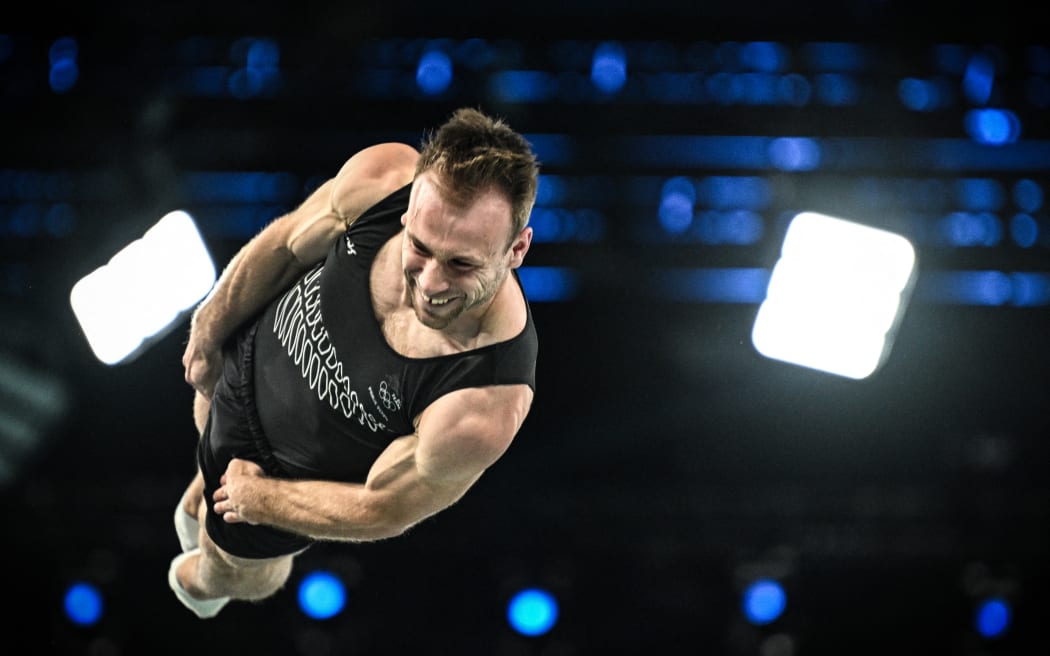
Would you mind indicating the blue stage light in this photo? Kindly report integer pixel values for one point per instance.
(764, 601)
(609, 68)
(993, 617)
(83, 604)
(434, 73)
(1024, 229)
(548, 284)
(321, 595)
(993, 127)
(1028, 195)
(532, 612)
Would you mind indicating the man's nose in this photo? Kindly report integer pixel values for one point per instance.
(432, 279)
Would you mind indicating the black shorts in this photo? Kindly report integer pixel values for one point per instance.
(233, 431)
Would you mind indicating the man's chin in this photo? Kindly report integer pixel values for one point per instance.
(434, 321)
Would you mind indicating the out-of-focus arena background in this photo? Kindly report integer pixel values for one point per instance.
(667, 467)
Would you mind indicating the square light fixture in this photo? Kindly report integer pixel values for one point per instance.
(836, 296)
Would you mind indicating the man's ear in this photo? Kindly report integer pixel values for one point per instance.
(520, 246)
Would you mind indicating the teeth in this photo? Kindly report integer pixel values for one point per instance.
(436, 301)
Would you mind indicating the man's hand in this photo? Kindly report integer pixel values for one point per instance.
(203, 367)
(234, 498)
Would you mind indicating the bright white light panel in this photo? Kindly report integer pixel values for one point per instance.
(143, 289)
(836, 296)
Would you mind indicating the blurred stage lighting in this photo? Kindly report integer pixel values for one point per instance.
(835, 296)
(764, 601)
(33, 404)
(322, 595)
(135, 298)
(83, 604)
(532, 612)
(992, 618)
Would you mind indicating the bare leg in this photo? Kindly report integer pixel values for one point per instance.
(212, 573)
(207, 572)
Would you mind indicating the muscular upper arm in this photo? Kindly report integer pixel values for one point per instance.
(464, 432)
(364, 180)
(456, 439)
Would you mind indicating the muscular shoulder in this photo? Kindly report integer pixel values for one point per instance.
(464, 432)
(370, 176)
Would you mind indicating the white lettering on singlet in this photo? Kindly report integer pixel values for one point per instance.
(300, 330)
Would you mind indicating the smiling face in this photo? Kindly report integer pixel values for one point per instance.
(456, 259)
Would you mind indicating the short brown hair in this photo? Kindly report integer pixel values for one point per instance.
(472, 153)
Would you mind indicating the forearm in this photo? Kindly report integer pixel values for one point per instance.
(326, 510)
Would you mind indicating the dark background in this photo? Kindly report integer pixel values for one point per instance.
(665, 463)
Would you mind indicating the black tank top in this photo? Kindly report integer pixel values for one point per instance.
(330, 390)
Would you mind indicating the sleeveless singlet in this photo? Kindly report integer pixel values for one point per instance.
(331, 392)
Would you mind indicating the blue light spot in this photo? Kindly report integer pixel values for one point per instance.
(83, 604)
(532, 612)
(732, 192)
(59, 220)
(1024, 230)
(474, 53)
(321, 595)
(837, 90)
(27, 219)
(263, 54)
(971, 229)
(63, 50)
(6, 47)
(993, 127)
(979, 194)
(548, 284)
(794, 153)
(239, 187)
(714, 285)
(1028, 195)
(764, 601)
(1030, 289)
(992, 617)
(522, 86)
(434, 72)
(924, 95)
(979, 78)
(63, 76)
(547, 224)
(550, 190)
(795, 90)
(991, 287)
(244, 83)
(764, 56)
(676, 205)
(739, 227)
(757, 88)
(675, 213)
(552, 149)
(609, 67)
(915, 94)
